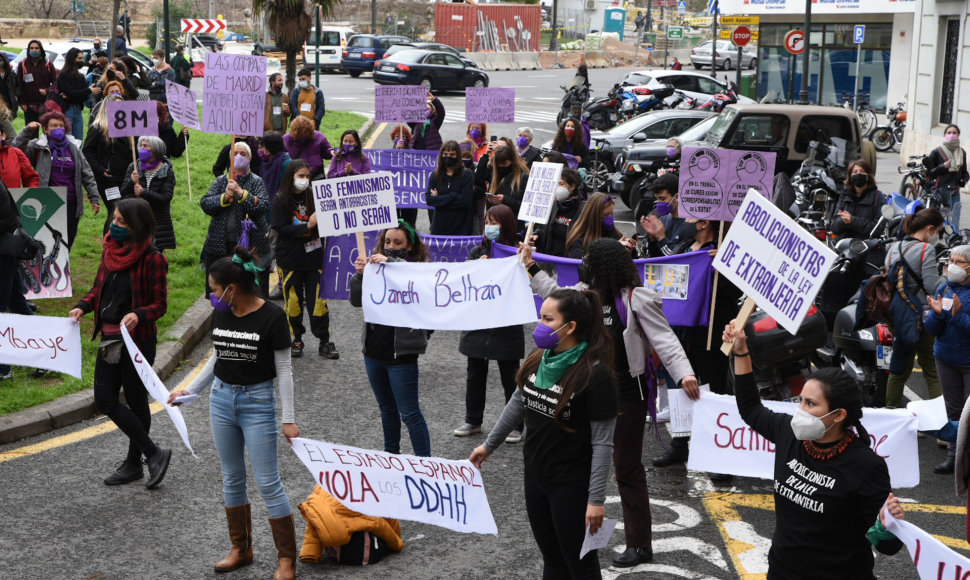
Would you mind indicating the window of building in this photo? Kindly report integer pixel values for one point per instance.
(950, 50)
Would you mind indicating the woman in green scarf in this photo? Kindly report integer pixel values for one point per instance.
(567, 397)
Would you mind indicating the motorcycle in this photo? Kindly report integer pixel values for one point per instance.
(683, 101)
(646, 100)
(886, 137)
(603, 112)
(816, 189)
(575, 97)
(916, 178)
(727, 97)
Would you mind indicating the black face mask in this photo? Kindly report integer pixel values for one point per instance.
(503, 171)
(859, 179)
(449, 161)
(277, 90)
(688, 230)
(399, 253)
(97, 47)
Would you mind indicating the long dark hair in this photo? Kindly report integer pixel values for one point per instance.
(842, 392)
(70, 63)
(583, 308)
(418, 251)
(225, 272)
(610, 268)
(358, 153)
(139, 217)
(288, 195)
(919, 220)
(507, 226)
(440, 169)
(519, 170)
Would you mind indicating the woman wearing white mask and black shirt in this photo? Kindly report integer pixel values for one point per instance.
(830, 486)
(551, 238)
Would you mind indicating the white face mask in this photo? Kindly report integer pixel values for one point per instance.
(956, 274)
(562, 193)
(157, 61)
(808, 427)
(933, 239)
(301, 184)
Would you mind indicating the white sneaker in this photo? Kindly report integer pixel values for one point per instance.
(514, 437)
(467, 429)
(663, 415)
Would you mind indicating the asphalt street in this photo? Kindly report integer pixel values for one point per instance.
(59, 521)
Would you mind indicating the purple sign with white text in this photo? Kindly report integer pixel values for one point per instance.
(410, 169)
(132, 119)
(713, 182)
(489, 105)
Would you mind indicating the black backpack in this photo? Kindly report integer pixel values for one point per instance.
(363, 548)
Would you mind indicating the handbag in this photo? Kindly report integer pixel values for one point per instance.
(19, 245)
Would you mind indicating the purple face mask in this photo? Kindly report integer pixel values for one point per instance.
(664, 208)
(348, 148)
(522, 141)
(545, 337)
(607, 222)
(218, 303)
(475, 134)
(671, 151)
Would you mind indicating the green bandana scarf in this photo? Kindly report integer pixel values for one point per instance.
(553, 366)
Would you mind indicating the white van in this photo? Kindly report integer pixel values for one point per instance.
(332, 41)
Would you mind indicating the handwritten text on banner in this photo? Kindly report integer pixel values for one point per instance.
(540, 192)
(430, 490)
(400, 104)
(43, 342)
(182, 105)
(448, 296)
(932, 558)
(489, 105)
(359, 203)
(410, 169)
(234, 94)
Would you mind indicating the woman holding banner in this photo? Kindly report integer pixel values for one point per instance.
(450, 194)
(550, 239)
(829, 484)
(425, 136)
(299, 256)
(238, 205)
(593, 223)
(567, 399)
(57, 158)
(129, 290)
(154, 181)
(251, 345)
(175, 143)
(391, 352)
(109, 158)
(636, 323)
(306, 143)
(505, 345)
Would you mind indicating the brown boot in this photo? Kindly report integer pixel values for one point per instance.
(284, 535)
(241, 535)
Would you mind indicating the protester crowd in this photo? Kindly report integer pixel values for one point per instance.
(582, 398)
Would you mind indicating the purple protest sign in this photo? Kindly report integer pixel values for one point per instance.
(182, 105)
(400, 104)
(234, 97)
(132, 119)
(341, 251)
(489, 105)
(410, 169)
(713, 182)
(683, 281)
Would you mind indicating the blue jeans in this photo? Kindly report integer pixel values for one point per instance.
(396, 390)
(244, 418)
(75, 116)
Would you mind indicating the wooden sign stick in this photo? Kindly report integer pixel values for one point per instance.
(232, 159)
(134, 152)
(740, 322)
(361, 247)
(710, 316)
(188, 171)
(528, 236)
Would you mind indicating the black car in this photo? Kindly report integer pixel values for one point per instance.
(437, 46)
(210, 42)
(439, 71)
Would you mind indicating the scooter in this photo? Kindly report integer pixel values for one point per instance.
(603, 112)
(646, 100)
(782, 360)
(717, 102)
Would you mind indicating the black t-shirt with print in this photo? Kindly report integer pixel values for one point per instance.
(553, 454)
(244, 345)
(628, 386)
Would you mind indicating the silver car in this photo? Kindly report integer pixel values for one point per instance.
(726, 56)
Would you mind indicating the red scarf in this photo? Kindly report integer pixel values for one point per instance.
(119, 257)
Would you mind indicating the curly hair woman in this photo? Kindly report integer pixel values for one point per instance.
(569, 141)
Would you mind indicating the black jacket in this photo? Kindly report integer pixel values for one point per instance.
(174, 142)
(9, 215)
(941, 175)
(454, 204)
(159, 195)
(864, 210)
(73, 89)
(511, 195)
(11, 91)
(113, 155)
(531, 155)
(552, 236)
(502, 343)
(291, 236)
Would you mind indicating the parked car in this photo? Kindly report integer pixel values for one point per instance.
(209, 41)
(363, 50)
(651, 125)
(726, 57)
(436, 71)
(429, 46)
(333, 39)
(696, 85)
(785, 130)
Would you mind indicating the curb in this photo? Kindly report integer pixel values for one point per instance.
(187, 331)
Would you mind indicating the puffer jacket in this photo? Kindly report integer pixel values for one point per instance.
(330, 523)
(952, 332)
(159, 195)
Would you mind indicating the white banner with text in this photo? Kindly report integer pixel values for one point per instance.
(45, 342)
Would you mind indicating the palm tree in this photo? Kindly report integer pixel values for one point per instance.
(290, 21)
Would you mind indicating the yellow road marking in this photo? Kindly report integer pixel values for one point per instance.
(722, 507)
(92, 431)
(373, 138)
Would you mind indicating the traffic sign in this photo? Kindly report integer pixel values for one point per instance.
(675, 32)
(197, 25)
(795, 41)
(682, 7)
(750, 21)
(725, 34)
(741, 35)
(859, 34)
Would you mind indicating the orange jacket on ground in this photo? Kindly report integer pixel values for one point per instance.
(330, 523)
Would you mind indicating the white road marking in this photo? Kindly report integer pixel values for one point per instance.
(755, 560)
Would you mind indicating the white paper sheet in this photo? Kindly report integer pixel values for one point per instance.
(600, 540)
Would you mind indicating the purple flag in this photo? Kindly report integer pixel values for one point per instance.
(410, 168)
(341, 252)
(683, 281)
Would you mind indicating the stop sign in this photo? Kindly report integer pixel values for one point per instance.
(741, 35)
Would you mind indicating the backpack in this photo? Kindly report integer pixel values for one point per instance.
(882, 287)
(363, 548)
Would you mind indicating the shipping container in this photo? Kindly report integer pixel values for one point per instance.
(456, 24)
